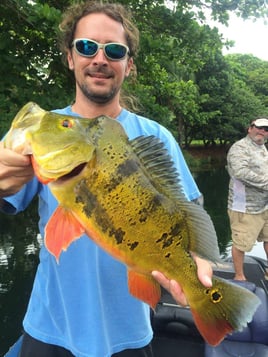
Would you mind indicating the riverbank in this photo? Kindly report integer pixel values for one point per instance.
(202, 158)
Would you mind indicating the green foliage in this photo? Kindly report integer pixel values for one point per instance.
(31, 66)
(254, 72)
(184, 81)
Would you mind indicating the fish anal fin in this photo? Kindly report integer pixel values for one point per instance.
(61, 230)
(144, 287)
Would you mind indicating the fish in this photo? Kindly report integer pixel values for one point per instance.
(127, 197)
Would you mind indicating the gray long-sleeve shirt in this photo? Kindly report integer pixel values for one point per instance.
(247, 164)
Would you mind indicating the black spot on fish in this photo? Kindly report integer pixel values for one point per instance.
(86, 198)
(163, 237)
(113, 183)
(175, 230)
(152, 206)
(143, 214)
(166, 240)
(131, 222)
(91, 206)
(172, 236)
(167, 255)
(216, 296)
(118, 234)
(108, 149)
(133, 246)
(127, 168)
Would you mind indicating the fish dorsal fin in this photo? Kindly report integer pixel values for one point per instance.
(203, 240)
(160, 168)
(158, 165)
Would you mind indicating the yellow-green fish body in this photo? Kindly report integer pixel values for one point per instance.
(125, 195)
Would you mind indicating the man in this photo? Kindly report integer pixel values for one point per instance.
(247, 162)
(81, 307)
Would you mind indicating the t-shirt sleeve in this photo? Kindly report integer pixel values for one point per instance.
(20, 200)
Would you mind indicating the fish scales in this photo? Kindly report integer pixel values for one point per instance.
(147, 207)
(126, 196)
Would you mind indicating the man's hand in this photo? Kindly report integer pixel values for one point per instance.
(204, 272)
(15, 171)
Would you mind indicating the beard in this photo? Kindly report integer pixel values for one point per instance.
(98, 97)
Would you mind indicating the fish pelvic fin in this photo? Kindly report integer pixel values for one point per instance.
(61, 230)
(224, 308)
(144, 287)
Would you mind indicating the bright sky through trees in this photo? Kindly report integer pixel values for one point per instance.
(250, 37)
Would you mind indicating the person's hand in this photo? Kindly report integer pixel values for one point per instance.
(204, 272)
(15, 171)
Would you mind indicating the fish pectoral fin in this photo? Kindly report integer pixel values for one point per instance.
(61, 230)
(144, 287)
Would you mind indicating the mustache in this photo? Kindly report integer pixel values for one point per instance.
(99, 70)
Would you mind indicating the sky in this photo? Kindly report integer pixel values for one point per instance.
(250, 37)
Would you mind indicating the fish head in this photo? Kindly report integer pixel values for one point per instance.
(62, 145)
(58, 144)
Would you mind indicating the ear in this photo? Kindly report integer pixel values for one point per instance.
(70, 60)
(129, 66)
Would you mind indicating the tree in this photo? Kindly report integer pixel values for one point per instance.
(174, 48)
(253, 71)
(31, 66)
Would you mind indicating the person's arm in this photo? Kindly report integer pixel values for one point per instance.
(15, 171)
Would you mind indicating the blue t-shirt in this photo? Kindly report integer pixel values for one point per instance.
(83, 303)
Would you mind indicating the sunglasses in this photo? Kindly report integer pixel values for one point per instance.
(89, 48)
(265, 128)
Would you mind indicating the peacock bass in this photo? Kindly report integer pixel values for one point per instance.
(126, 196)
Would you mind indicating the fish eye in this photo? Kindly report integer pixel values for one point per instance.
(66, 123)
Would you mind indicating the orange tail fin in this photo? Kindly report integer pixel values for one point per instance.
(223, 308)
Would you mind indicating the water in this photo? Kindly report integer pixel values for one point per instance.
(19, 246)
(18, 260)
(214, 186)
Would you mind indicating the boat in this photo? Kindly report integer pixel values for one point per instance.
(175, 334)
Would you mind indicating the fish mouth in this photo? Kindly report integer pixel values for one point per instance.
(73, 173)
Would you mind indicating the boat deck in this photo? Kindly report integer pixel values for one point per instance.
(253, 272)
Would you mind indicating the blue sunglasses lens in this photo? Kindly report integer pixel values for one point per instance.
(113, 51)
(86, 48)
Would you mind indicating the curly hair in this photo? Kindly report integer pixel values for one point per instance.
(115, 11)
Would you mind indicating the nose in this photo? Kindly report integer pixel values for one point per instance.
(100, 57)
